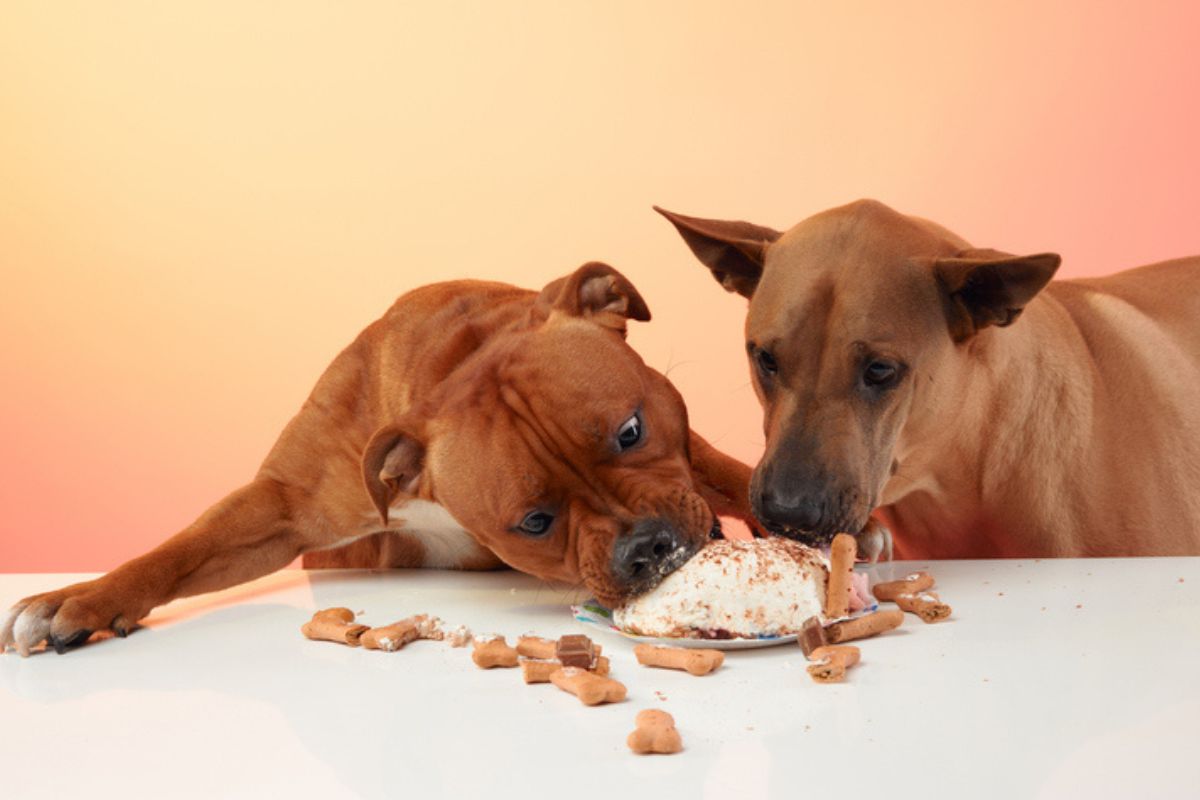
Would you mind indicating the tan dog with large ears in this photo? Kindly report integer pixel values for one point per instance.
(976, 407)
(489, 424)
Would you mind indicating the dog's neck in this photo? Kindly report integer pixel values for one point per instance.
(991, 474)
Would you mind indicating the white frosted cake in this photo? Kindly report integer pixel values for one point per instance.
(733, 589)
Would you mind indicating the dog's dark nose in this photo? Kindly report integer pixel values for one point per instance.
(780, 507)
(647, 553)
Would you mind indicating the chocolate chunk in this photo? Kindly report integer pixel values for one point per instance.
(575, 650)
(812, 636)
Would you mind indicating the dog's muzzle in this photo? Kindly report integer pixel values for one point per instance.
(651, 551)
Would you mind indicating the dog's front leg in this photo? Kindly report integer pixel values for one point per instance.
(250, 533)
(723, 481)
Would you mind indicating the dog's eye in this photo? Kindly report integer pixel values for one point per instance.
(765, 361)
(630, 432)
(880, 374)
(536, 523)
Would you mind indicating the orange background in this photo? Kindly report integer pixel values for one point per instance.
(202, 203)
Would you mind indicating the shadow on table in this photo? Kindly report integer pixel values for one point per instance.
(208, 647)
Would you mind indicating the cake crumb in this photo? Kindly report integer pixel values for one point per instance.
(459, 637)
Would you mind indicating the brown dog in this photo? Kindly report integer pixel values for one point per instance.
(490, 424)
(891, 382)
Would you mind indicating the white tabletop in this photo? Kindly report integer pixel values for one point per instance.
(1066, 678)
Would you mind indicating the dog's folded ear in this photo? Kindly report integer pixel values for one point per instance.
(987, 287)
(391, 464)
(734, 251)
(598, 292)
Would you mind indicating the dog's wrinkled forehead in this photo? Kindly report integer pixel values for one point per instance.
(554, 400)
(574, 372)
(841, 270)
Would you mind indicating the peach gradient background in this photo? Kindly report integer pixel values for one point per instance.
(202, 202)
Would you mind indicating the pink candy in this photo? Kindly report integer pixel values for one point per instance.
(860, 591)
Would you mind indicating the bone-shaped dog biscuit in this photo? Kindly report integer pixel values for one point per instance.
(591, 689)
(830, 662)
(539, 670)
(916, 582)
(864, 626)
(655, 733)
(536, 647)
(493, 652)
(334, 625)
(926, 605)
(841, 565)
(695, 662)
(391, 637)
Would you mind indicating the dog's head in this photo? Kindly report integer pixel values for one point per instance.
(859, 323)
(557, 448)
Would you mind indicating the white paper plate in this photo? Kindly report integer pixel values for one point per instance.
(595, 615)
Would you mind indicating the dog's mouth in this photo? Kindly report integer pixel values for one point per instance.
(809, 538)
(715, 532)
(657, 572)
(817, 538)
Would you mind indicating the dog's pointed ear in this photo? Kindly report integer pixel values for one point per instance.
(598, 292)
(391, 463)
(734, 251)
(987, 287)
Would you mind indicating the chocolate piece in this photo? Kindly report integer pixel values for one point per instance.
(812, 636)
(575, 650)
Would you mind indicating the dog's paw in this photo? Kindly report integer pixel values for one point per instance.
(62, 619)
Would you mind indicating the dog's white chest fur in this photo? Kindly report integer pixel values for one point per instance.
(447, 544)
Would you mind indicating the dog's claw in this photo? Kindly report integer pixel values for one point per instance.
(63, 619)
(62, 644)
(122, 627)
